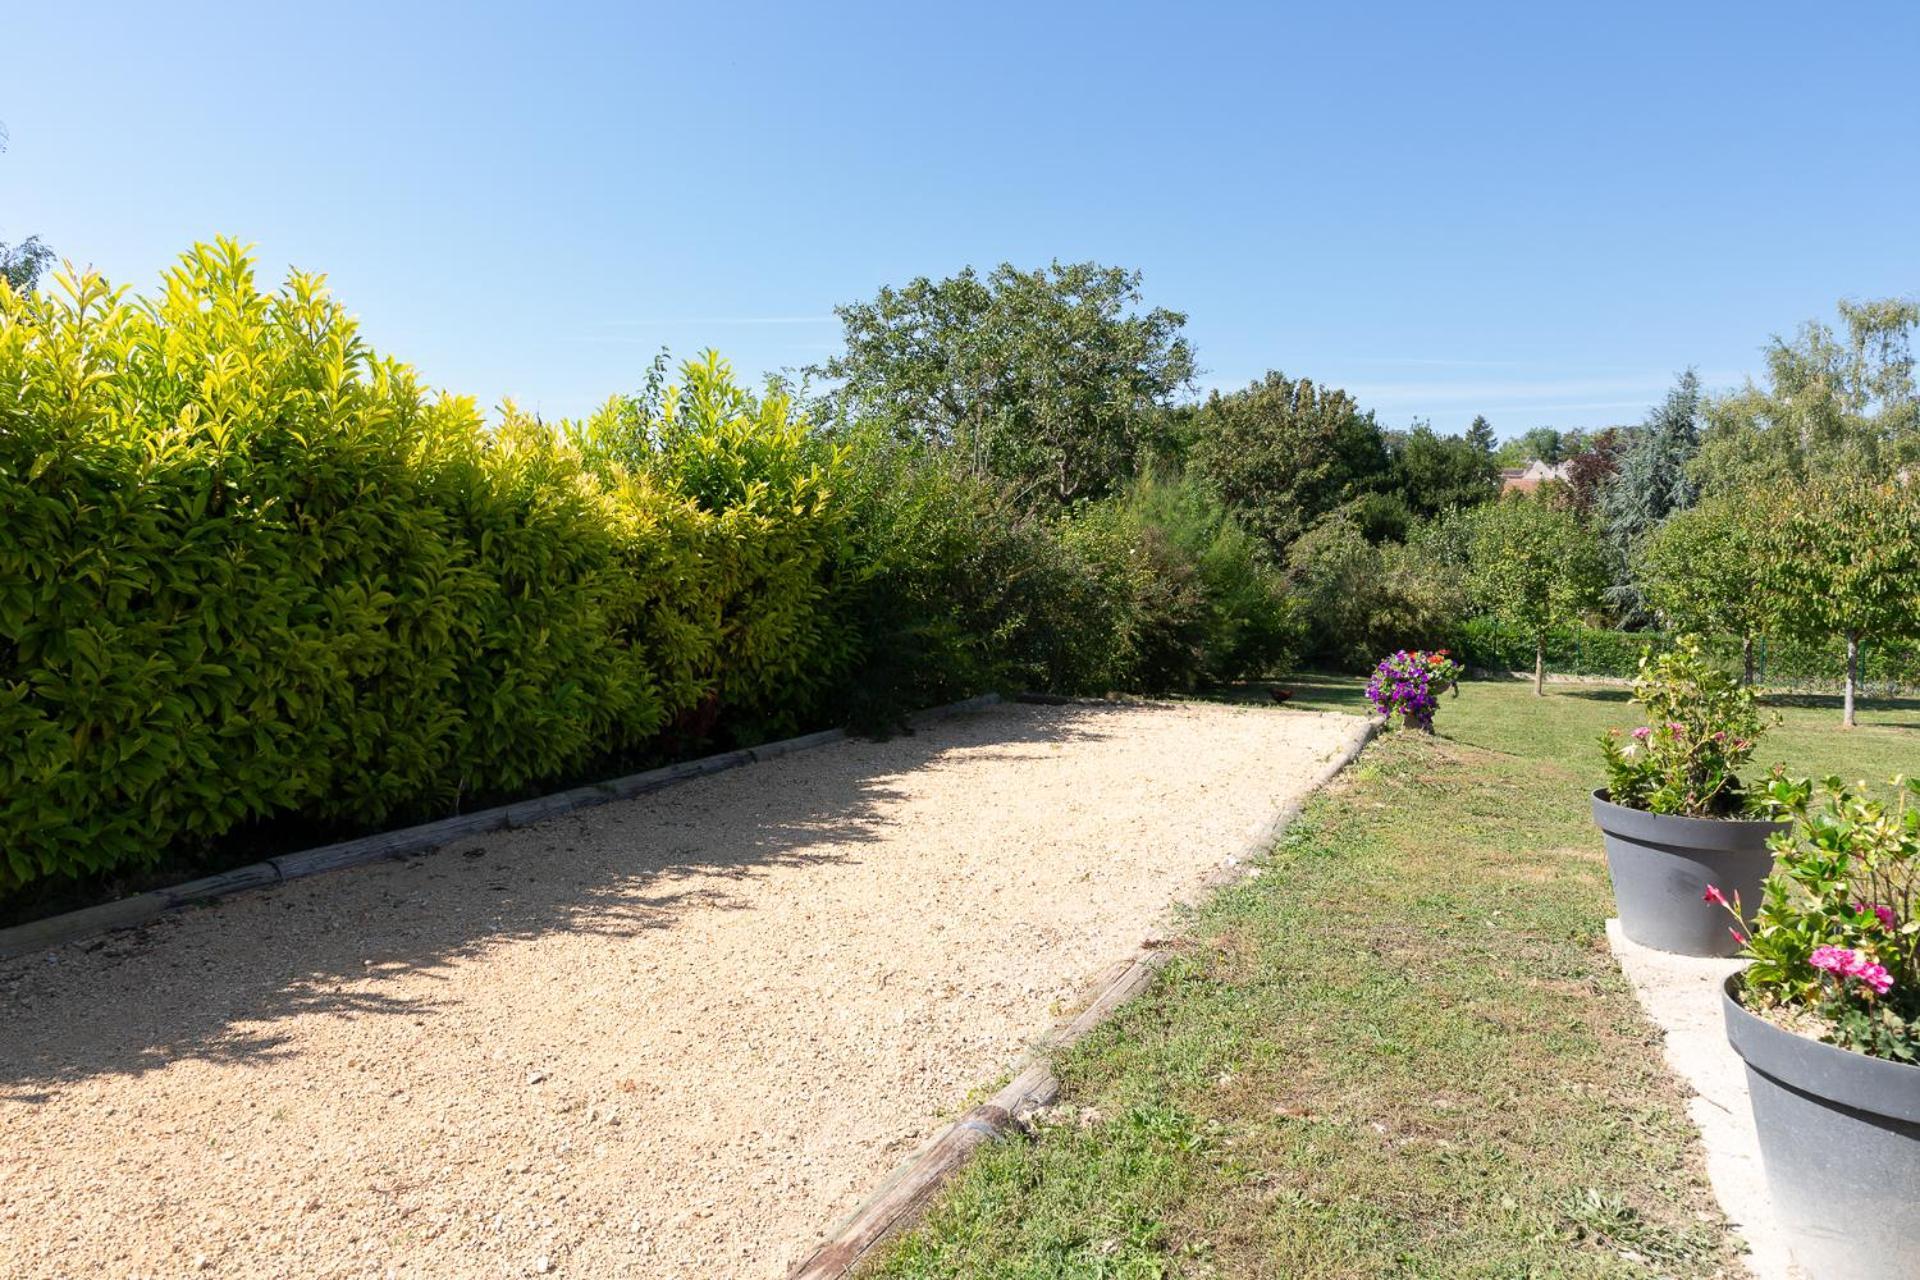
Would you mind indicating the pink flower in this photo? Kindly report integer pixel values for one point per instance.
(1881, 912)
(1674, 726)
(1738, 936)
(1714, 896)
(1642, 734)
(1848, 963)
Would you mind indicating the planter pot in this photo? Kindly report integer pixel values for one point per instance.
(1840, 1139)
(1661, 867)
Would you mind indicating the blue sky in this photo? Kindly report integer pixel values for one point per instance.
(1530, 212)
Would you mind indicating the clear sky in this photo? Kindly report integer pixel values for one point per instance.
(1530, 212)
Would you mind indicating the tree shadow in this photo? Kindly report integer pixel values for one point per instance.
(218, 982)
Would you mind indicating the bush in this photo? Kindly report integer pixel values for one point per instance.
(1701, 728)
(1195, 600)
(1833, 945)
(248, 567)
(1357, 598)
(947, 587)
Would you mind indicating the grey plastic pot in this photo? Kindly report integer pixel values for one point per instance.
(1661, 867)
(1840, 1139)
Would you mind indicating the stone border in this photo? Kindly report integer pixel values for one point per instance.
(913, 1184)
(125, 913)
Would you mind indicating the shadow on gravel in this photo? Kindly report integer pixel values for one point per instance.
(214, 983)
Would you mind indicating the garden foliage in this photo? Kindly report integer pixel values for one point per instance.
(1702, 726)
(252, 569)
(1836, 940)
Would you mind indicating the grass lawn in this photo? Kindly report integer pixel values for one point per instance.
(1402, 1050)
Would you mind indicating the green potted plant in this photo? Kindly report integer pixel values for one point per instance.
(1827, 1019)
(1674, 815)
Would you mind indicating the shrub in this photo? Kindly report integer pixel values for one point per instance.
(1196, 601)
(1835, 944)
(946, 587)
(1356, 597)
(1702, 727)
(248, 566)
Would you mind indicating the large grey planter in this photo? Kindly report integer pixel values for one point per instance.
(1840, 1139)
(1661, 867)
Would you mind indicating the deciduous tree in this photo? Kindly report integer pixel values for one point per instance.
(1831, 405)
(1047, 379)
(1701, 571)
(1283, 452)
(1843, 559)
(1534, 566)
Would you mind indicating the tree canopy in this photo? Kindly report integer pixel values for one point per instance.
(1046, 379)
(1534, 566)
(1284, 452)
(1832, 404)
(1843, 559)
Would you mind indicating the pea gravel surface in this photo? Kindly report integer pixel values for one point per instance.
(676, 1036)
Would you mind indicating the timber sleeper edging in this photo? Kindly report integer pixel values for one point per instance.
(912, 1186)
(143, 908)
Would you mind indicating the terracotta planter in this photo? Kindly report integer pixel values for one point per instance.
(1840, 1139)
(1661, 867)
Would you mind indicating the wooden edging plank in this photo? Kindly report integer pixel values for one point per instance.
(911, 1186)
(139, 909)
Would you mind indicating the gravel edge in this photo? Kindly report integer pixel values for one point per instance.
(910, 1187)
(141, 908)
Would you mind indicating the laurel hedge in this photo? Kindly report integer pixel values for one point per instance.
(249, 567)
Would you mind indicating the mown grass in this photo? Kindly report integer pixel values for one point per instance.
(1401, 1050)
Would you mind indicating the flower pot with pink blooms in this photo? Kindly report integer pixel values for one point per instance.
(1827, 1020)
(1674, 817)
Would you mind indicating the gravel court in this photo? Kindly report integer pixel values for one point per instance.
(676, 1036)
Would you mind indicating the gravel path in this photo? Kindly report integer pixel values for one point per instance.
(677, 1036)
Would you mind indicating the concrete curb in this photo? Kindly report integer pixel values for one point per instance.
(141, 908)
(913, 1184)
(1681, 996)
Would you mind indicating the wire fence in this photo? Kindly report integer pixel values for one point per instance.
(1886, 667)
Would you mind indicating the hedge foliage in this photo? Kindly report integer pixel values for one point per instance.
(249, 569)
(247, 566)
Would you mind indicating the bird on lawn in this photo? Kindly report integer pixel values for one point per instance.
(1279, 694)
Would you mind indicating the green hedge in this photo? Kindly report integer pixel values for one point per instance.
(1779, 662)
(249, 567)
(250, 570)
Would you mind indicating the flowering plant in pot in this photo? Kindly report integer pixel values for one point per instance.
(1408, 684)
(1674, 814)
(1827, 1018)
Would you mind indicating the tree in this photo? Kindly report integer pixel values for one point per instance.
(1701, 571)
(1652, 482)
(1844, 559)
(1533, 566)
(1830, 406)
(1433, 473)
(1047, 379)
(1480, 434)
(1591, 471)
(1282, 453)
(21, 264)
(1543, 443)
